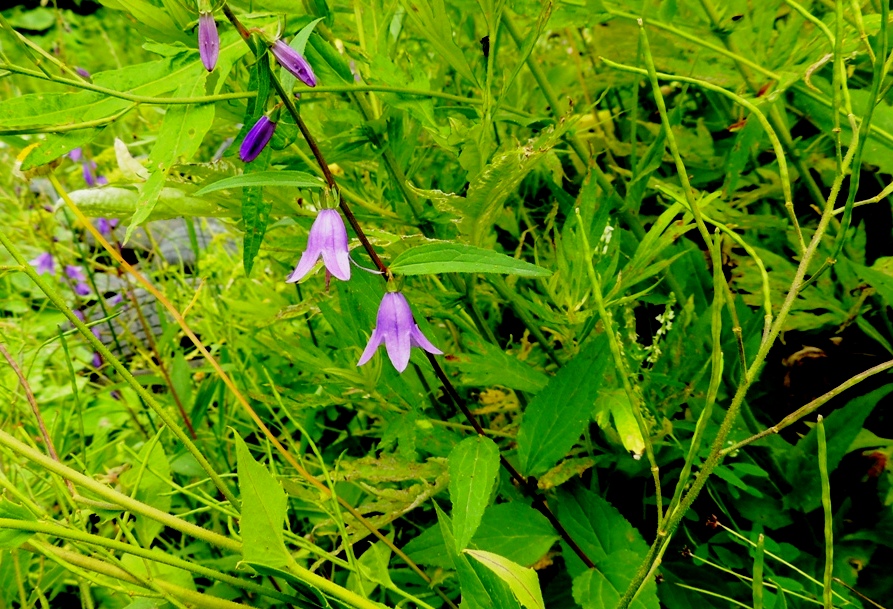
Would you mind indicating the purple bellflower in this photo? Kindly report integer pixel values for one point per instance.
(44, 264)
(328, 238)
(208, 40)
(256, 139)
(82, 289)
(396, 328)
(294, 62)
(106, 225)
(75, 272)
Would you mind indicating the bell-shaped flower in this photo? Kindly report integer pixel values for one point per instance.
(294, 62)
(328, 238)
(44, 264)
(257, 138)
(208, 40)
(396, 328)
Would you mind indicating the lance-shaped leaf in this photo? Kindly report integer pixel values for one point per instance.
(523, 582)
(432, 258)
(474, 465)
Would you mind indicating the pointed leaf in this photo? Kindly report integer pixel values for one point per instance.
(474, 465)
(288, 179)
(524, 583)
(445, 257)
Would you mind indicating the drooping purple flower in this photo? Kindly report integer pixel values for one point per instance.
(294, 62)
(106, 225)
(75, 272)
(328, 238)
(82, 289)
(44, 264)
(257, 138)
(208, 40)
(396, 328)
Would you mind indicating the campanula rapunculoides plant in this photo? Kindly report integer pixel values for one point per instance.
(530, 185)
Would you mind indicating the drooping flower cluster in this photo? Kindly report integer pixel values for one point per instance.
(395, 326)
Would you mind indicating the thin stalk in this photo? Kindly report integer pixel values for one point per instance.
(828, 514)
(634, 396)
(809, 408)
(757, 583)
(107, 355)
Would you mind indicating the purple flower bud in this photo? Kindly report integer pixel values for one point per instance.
(106, 225)
(398, 330)
(328, 238)
(256, 139)
(97, 360)
(82, 289)
(44, 264)
(292, 61)
(115, 300)
(76, 155)
(75, 272)
(82, 72)
(90, 174)
(208, 40)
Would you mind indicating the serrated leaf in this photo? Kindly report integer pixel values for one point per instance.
(432, 258)
(555, 418)
(263, 512)
(523, 582)
(289, 179)
(474, 465)
(516, 531)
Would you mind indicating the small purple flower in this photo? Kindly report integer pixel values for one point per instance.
(328, 238)
(256, 139)
(106, 225)
(82, 72)
(75, 272)
(115, 300)
(44, 264)
(90, 178)
(82, 289)
(294, 62)
(76, 155)
(398, 330)
(208, 40)
(97, 360)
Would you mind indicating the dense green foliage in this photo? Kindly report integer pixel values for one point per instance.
(651, 238)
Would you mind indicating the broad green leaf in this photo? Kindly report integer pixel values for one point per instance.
(492, 366)
(603, 586)
(264, 507)
(13, 538)
(841, 427)
(555, 418)
(596, 526)
(474, 465)
(516, 531)
(432, 258)
(523, 582)
(289, 179)
(149, 480)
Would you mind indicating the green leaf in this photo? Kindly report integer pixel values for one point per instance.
(55, 145)
(289, 179)
(264, 506)
(604, 585)
(255, 211)
(305, 588)
(432, 258)
(114, 202)
(616, 402)
(495, 367)
(523, 582)
(555, 418)
(182, 131)
(474, 465)
(596, 526)
(516, 531)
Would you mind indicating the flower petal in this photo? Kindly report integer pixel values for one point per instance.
(256, 139)
(305, 265)
(419, 340)
(334, 249)
(371, 347)
(208, 40)
(294, 62)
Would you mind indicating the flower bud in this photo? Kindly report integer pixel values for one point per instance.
(256, 139)
(208, 40)
(292, 61)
